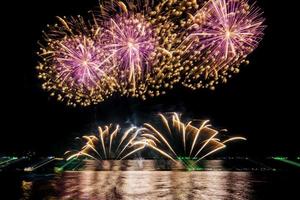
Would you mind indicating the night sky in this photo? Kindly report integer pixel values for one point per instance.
(260, 103)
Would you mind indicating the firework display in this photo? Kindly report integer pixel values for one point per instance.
(142, 48)
(168, 136)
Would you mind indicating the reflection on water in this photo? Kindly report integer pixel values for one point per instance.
(90, 184)
(152, 185)
(133, 165)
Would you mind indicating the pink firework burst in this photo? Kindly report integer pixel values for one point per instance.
(78, 61)
(231, 29)
(76, 70)
(131, 42)
(222, 35)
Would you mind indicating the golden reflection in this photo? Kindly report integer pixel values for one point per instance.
(26, 188)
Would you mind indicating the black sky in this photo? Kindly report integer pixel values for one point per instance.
(260, 103)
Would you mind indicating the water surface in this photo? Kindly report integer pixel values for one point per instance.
(126, 182)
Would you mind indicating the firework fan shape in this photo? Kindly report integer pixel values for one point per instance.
(143, 48)
(110, 143)
(173, 138)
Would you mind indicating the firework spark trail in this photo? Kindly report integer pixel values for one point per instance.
(153, 130)
(197, 134)
(204, 145)
(184, 138)
(127, 132)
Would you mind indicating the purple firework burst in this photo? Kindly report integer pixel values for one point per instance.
(131, 42)
(78, 61)
(76, 70)
(231, 29)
